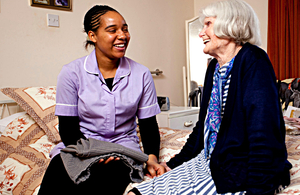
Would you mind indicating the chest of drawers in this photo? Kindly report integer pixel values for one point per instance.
(178, 117)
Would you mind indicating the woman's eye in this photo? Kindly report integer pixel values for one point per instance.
(112, 30)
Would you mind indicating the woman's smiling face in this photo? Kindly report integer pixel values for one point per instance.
(211, 41)
(112, 37)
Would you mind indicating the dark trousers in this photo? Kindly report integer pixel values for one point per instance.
(112, 178)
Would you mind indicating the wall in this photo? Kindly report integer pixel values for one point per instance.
(259, 6)
(32, 54)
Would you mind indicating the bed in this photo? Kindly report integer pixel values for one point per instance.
(27, 138)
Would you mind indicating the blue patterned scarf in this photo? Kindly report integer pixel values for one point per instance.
(214, 116)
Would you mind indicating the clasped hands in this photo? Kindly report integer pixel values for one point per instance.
(153, 167)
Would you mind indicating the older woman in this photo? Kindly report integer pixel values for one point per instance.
(238, 144)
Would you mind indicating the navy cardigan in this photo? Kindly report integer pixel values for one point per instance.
(250, 153)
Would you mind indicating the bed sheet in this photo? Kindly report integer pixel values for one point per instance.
(25, 148)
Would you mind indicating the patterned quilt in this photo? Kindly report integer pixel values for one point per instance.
(26, 142)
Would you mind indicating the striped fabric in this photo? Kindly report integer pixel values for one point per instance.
(190, 178)
(216, 107)
(225, 91)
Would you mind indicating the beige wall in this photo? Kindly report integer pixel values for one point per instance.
(32, 54)
(259, 6)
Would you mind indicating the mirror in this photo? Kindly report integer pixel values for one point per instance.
(196, 60)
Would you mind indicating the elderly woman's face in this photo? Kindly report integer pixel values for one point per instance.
(211, 41)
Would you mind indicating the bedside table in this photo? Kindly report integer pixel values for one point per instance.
(178, 117)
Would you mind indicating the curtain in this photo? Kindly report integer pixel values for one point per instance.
(284, 37)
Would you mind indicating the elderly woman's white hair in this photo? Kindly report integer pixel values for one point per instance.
(235, 20)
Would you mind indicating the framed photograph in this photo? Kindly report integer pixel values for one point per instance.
(53, 4)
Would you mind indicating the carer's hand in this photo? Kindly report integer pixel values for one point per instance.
(108, 160)
(153, 167)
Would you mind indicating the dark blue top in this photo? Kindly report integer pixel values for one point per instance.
(250, 153)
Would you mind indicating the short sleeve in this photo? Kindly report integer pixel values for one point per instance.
(66, 93)
(148, 105)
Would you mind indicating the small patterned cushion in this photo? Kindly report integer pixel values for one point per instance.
(39, 103)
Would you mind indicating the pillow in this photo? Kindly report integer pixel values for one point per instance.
(5, 121)
(288, 80)
(39, 103)
(24, 156)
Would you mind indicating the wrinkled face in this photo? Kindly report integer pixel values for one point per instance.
(213, 44)
(112, 37)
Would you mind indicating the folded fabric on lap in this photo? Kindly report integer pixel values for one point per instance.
(79, 158)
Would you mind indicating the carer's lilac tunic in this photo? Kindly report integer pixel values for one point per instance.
(106, 115)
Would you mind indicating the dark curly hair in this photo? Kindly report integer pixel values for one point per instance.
(92, 20)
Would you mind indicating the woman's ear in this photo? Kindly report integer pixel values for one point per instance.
(92, 36)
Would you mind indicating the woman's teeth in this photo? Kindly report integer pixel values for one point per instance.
(120, 45)
(205, 41)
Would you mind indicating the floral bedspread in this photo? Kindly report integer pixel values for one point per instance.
(24, 156)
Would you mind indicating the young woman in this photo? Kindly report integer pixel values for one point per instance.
(99, 96)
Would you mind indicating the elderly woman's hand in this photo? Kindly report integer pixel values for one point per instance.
(153, 167)
(166, 166)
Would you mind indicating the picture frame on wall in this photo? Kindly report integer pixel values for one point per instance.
(53, 4)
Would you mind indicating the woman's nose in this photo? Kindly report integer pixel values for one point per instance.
(202, 33)
(121, 35)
